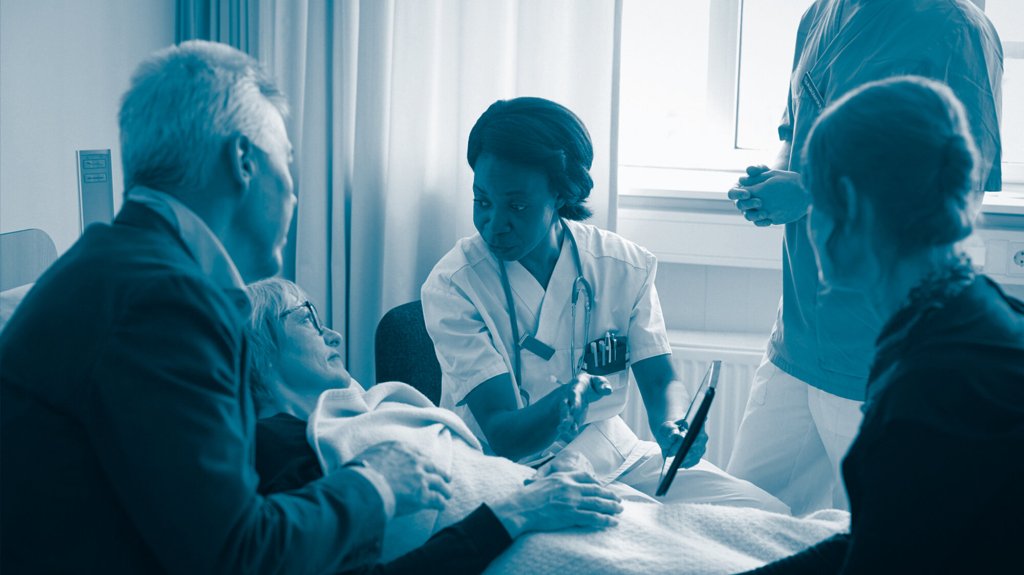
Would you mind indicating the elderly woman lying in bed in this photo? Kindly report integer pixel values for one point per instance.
(315, 418)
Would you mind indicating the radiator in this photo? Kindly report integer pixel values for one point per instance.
(692, 352)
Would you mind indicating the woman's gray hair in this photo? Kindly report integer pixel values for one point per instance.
(183, 104)
(269, 300)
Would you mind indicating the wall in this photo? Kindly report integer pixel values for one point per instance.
(719, 298)
(63, 67)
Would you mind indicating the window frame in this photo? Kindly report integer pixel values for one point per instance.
(710, 179)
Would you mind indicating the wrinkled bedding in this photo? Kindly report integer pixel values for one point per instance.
(679, 538)
(650, 538)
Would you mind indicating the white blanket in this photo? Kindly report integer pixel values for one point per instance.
(650, 538)
(686, 538)
(347, 421)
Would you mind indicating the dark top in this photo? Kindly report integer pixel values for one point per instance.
(128, 433)
(935, 475)
(285, 461)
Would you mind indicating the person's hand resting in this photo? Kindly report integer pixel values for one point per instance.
(767, 196)
(558, 501)
(416, 482)
(670, 436)
(579, 394)
(567, 461)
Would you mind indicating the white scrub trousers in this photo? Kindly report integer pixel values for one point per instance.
(792, 441)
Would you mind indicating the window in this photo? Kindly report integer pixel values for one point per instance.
(1008, 19)
(704, 85)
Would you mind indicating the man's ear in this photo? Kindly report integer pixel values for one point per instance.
(240, 152)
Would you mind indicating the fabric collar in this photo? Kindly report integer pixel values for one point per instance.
(199, 240)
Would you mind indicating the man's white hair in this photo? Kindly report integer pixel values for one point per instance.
(185, 102)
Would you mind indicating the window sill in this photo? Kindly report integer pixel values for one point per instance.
(685, 217)
(681, 189)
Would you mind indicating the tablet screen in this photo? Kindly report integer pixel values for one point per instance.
(695, 416)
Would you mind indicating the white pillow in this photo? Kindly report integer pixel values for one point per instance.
(9, 300)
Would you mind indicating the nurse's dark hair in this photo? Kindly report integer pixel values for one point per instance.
(905, 145)
(541, 134)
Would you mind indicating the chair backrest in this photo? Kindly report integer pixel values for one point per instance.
(24, 256)
(404, 351)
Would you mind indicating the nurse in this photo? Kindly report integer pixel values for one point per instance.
(537, 318)
(804, 407)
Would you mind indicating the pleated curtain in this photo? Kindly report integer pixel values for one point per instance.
(384, 94)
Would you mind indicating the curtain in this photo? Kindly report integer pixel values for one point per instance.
(233, 22)
(384, 94)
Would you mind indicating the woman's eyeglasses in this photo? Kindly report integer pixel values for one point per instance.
(311, 315)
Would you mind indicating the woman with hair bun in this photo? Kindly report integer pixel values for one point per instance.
(935, 473)
(537, 319)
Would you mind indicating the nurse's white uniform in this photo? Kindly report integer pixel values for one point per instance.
(467, 317)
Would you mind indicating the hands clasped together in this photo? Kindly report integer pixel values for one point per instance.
(767, 196)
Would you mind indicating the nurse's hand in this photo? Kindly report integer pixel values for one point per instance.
(767, 197)
(670, 436)
(558, 501)
(416, 482)
(579, 394)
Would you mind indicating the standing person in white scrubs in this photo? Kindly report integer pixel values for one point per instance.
(804, 407)
(519, 309)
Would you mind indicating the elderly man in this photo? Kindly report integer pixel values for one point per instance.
(127, 428)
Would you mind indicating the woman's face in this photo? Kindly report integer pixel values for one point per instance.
(514, 206)
(308, 356)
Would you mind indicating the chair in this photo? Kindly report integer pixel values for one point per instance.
(24, 256)
(404, 351)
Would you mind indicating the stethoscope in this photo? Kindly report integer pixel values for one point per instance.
(579, 285)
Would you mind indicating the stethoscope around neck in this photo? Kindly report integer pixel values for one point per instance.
(579, 285)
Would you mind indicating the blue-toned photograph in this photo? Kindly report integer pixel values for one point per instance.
(523, 287)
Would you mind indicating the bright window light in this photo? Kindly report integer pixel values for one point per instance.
(1008, 19)
(703, 83)
(663, 87)
(768, 39)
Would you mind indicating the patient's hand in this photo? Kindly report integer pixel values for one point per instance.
(558, 501)
(567, 461)
(416, 482)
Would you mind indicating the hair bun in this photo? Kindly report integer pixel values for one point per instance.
(955, 182)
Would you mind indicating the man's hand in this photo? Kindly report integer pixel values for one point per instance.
(767, 196)
(558, 501)
(670, 436)
(416, 482)
(579, 394)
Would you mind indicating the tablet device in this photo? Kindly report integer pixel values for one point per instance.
(695, 423)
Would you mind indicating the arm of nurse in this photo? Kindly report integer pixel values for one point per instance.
(664, 396)
(513, 432)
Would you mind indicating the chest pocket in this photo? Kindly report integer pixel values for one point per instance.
(810, 93)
